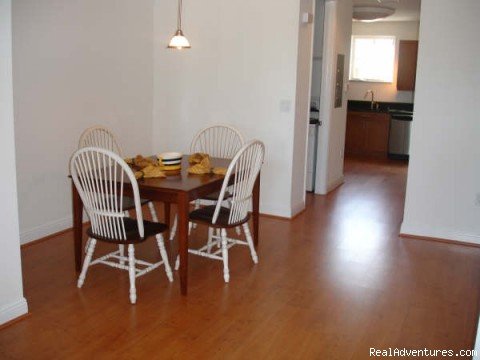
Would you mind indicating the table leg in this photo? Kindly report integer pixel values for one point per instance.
(256, 209)
(77, 210)
(183, 208)
(166, 213)
(166, 217)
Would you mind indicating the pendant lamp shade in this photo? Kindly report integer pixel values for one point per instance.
(179, 41)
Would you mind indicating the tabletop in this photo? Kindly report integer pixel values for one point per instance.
(182, 180)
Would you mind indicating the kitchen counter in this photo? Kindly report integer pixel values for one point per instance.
(379, 132)
(383, 107)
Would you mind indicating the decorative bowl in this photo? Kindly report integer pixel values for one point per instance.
(170, 160)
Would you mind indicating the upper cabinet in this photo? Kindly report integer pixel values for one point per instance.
(407, 64)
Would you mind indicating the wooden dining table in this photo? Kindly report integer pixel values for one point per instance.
(179, 188)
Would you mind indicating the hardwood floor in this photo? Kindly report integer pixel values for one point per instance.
(330, 284)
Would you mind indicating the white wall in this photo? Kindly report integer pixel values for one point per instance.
(402, 30)
(302, 108)
(12, 302)
(338, 31)
(241, 70)
(444, 173)
(317, 51)
(76, 64)
(477, 343)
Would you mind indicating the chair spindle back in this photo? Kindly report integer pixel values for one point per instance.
(100, 137)
(219, 141)
(244, 168)
(99, 176)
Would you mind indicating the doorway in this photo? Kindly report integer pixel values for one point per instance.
(316, 89)
(373, 116)
(381, 86)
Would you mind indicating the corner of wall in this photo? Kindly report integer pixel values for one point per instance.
(47, 229)
(13, 310)
(10, 260)
(297, 208)
(441, 233)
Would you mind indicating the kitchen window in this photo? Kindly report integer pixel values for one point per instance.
(372, 58)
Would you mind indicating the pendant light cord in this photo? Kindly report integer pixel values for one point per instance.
(179, 18)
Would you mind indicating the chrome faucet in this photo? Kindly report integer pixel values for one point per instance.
(373, 104)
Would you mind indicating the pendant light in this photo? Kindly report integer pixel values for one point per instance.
(179, 41)
(368, 13)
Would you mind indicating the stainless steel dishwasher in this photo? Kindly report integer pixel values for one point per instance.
(399, 138)
(312, 149)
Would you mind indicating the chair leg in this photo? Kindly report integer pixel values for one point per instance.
(153, 211)
(177, 263)
(226, 272)
(121, 249)
(248, 235)
(174, 228)
(219, 238)
(131, 273)
(190, 225)
(87, 244)
(173, 231)
(163, 254)
(86, 262)
(210, 240)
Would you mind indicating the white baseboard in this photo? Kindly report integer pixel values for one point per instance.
(336, 183)
(332, 185)
(13, 310)
(297, 208)
(282, 211)
(275, 210)
(43, 230)
(52, 227)
(439, 233)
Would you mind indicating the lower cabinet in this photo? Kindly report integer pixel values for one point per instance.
(367, 134)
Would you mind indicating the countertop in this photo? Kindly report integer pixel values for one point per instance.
(383, 107)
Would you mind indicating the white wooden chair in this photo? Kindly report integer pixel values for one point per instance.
(99, 177)
(218, 141)
(244, 169)
(101, 137)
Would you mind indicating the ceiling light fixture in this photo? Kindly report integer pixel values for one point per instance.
(371, 13)
(179, 41)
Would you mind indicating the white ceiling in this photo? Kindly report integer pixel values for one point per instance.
(406, 10)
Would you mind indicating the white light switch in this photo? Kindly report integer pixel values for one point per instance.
(307, 18)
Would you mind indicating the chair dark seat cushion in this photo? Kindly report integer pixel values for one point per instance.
(205, 215)
(129, 203)
(131, 229)
(214, 196)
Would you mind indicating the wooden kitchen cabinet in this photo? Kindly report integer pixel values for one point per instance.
(356, 135)
(407, 65)
(367, 134)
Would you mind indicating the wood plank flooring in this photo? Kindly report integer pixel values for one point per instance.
(330, 284)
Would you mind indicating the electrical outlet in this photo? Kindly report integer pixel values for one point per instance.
(477, 199)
